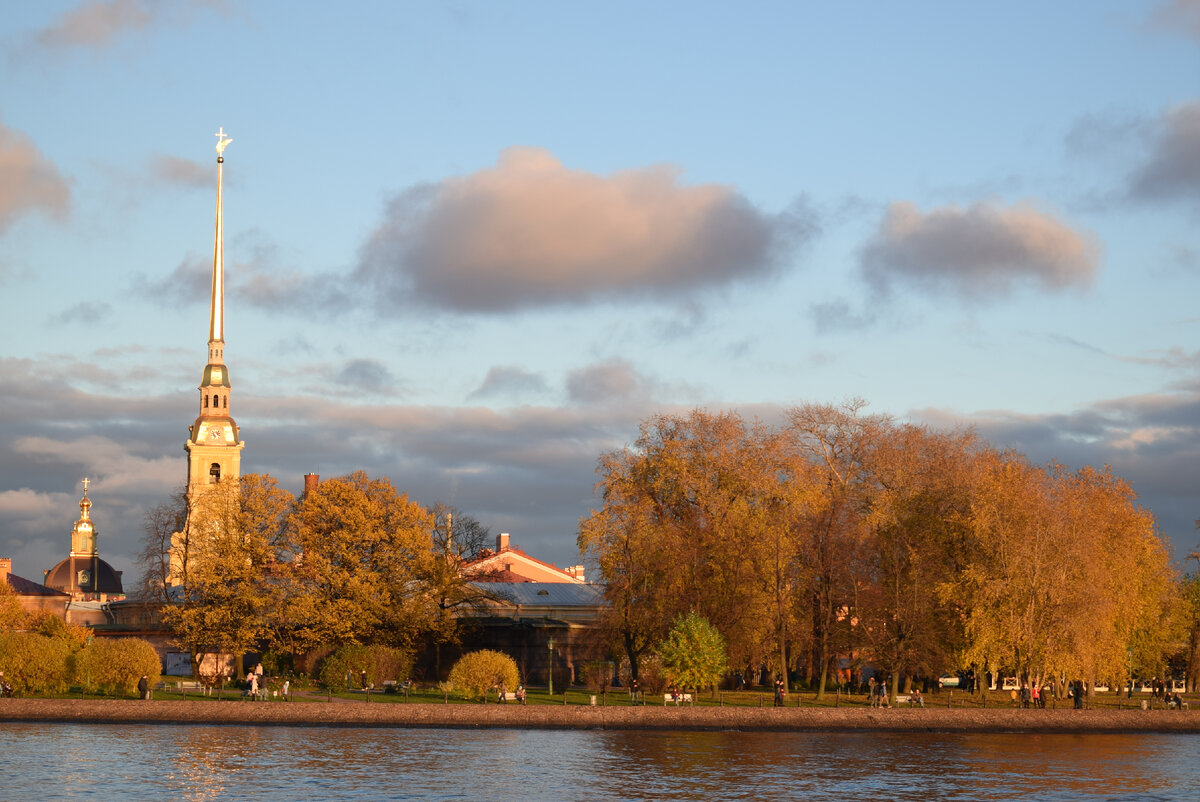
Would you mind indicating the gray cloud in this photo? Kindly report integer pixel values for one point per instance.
(188, 172)
(366, 375)
(835, 316)
(614, 380)
(1171, 170)
(509, 381)
(84, 312)
(976, 253)
(28, 180)
(531, 232)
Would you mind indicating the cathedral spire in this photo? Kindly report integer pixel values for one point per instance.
(216, 316)
(214, 443)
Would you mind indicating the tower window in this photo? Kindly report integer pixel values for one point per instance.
(206, 402)
(214, 473)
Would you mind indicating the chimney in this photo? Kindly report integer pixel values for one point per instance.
(577, 572)
(5, 568)
(502, 541)
(311, 480)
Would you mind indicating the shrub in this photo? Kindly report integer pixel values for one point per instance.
(380, 662)
(476, 673)
(34, 663)
(114, 665)
(597, 675)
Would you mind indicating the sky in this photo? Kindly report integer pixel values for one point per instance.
(470, 246)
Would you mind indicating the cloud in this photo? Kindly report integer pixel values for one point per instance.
(28, 180)
(983, 251)
(188, 172)
(366, 375)
(100, 24)
(254, 278)
(835, 316)
(509, 380)
(530, 232)
(607, 382)
(1172, 167)
(1178, 15)
(86, 313)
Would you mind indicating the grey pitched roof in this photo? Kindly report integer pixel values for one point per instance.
(558, 594)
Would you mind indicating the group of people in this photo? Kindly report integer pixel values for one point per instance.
(518, 694)
(256, 686)
(1033, 695)
(6, 690)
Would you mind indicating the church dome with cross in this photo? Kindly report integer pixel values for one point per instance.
(83, 574)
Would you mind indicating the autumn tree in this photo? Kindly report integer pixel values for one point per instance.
(683, 526)
(835, 442)
(362, 562)
(235, 544)
(915, 526)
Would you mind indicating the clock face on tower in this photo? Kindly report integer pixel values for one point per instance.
(216, 433)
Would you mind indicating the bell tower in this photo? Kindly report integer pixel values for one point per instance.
(214, 444)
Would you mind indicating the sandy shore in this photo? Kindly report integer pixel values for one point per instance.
(362, 714)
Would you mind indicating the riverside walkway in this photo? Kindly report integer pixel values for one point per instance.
(512, 716)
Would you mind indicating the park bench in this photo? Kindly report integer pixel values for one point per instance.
(903, 699)
(679, 697)
(508, 696)
(1183, 705)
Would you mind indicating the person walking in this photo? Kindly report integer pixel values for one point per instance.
(144, 688)
(779, 692)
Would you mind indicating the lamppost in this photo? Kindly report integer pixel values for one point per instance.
(1130, 672)
(550, 670)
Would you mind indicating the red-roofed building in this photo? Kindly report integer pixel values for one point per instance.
(509, 564)
(34, 596)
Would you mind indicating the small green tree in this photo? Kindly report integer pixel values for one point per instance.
(693, 655)
(478, 672)
(114, 665)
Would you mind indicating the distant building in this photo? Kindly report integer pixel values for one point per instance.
(34, 598)
(509, 564)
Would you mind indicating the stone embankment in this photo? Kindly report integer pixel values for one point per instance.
(361, 714)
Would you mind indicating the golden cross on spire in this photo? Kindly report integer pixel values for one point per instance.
(222, 140)
(86, 482)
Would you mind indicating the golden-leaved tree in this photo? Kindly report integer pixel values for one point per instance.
(361, 565)
(236, 548)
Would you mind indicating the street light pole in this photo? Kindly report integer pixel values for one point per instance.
(1130, 672)
(550, 670)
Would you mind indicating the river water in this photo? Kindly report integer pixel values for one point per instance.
(66, 761)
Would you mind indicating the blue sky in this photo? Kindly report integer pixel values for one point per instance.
(471, 245)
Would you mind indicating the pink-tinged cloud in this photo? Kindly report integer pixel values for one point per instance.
(1179, 15)
(1172, 168)
(28, 180)
(98, 24)
(532, 232)
(982, 251)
